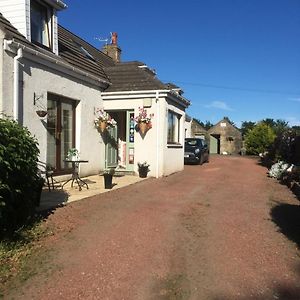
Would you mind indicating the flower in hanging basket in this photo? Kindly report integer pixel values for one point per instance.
(103, 119)
(143, 120)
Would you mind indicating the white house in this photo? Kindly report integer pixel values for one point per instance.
(44, 67)
(135, 86)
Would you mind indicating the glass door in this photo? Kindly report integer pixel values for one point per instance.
(60, 131)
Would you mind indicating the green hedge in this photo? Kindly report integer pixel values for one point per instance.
(19, 178)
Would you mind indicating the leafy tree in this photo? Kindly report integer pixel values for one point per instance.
(279, 125)
(270, 122)
(246, 126)
(228, 120)
(259, 138)
(296, 129)
(285, 147)
(207, 125)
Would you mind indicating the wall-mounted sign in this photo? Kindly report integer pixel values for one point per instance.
(131, 128)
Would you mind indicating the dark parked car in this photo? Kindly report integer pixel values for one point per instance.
(195, 151)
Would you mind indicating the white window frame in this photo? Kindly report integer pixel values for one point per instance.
(46, 39)
(174, 128)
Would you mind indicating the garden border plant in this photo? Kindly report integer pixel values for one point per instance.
(19, 180)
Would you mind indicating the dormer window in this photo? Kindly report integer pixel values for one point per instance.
(41, 24)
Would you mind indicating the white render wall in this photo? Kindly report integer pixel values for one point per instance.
(153, 146)
(41, 80)
(174, 154)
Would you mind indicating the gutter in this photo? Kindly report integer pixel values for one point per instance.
(157, 132)
(140, 94)
(17, 84)
(57, 4)
(11, 44)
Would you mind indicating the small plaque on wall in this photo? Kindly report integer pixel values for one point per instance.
(147, 102)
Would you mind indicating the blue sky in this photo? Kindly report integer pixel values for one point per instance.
(232, 58)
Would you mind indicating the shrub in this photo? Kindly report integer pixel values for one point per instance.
(285, 147)
(259, 138)
(18, 175)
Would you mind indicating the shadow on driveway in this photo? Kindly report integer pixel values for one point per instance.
(287, 218)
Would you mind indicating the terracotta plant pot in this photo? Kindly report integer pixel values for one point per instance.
(102, 125)
(143, 127)
(41, 113)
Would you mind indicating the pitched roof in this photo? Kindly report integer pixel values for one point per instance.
(224, 120)
(81, 54)
(132, 76)
(72, 50)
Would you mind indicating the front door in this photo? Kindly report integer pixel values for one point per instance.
(60, 131)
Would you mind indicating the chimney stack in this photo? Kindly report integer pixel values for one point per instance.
(112, 49)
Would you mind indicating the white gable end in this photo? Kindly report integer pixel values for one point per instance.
(17, 12)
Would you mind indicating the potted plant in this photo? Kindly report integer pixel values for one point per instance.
(103, 119)
(143, 169)
(143, 120)
(73, 154)
(108, 175)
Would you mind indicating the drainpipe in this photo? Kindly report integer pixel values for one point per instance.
(17, 83)
(158, 133)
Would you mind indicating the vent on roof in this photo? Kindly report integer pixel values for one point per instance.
(148, 69)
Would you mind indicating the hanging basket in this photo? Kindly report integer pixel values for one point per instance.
(102, 125)
(143, 127)
(41, 113)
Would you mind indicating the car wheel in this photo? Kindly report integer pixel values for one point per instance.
(200, 162)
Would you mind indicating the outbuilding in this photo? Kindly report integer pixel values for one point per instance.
(224, 138)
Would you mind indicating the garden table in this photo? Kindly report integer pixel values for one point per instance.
(75, 173)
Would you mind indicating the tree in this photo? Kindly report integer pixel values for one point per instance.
(279, 125)
(228, 120)
(259, 138)
(207, 125)
(246, 126)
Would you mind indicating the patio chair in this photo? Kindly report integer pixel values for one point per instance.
(46, 171)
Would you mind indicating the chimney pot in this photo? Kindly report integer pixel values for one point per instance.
(114, 38)
(113, 49)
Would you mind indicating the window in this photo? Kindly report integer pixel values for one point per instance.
(40, 24)
(173, 127)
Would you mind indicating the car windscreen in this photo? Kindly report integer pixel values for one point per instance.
(192, 143)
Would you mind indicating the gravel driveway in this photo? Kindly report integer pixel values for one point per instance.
(209, 232)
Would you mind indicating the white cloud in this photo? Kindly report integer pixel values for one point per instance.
(219, 105)
(293, 121)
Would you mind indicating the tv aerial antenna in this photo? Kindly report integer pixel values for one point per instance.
(101, 39)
